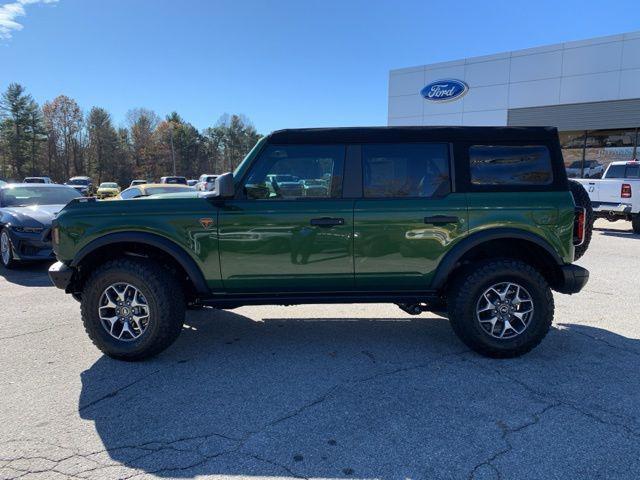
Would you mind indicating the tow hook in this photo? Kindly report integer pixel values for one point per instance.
(413, 308)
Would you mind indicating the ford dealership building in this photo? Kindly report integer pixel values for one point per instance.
(589, 89)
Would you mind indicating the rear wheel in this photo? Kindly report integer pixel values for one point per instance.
(635, 223)
(501, 309)
(6, 250)
(132, 309)
(581, 199)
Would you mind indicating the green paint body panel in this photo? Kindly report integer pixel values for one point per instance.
(268, 246)
(395, 249)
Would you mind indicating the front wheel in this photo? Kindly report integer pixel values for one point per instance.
(6, 250)
(132, 309)
(501, 309)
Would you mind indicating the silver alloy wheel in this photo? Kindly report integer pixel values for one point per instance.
(123, 311)
(5, 248)
(504, 310)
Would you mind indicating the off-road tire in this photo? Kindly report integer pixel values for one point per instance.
(464, 294)
(635, 223)
(165, 298)
(581, 199)
(12, 262)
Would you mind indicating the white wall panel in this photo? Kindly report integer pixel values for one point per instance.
(590, 88)
(485, 118)
(536, 67)
(531, 94)
(487, 73)
(630, 83)
(486, 98)
(572, 73)
(631, 54)
(406, 83)
(405, 106)
(592, 59)
(435, 120)
(405, 121)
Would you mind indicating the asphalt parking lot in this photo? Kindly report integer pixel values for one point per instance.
(351, 391)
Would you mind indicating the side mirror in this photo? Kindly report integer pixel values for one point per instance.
(223, 187)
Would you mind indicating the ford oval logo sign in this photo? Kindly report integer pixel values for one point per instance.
(444, 90)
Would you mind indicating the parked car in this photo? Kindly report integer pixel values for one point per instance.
(180, 180)
(314, 187)
(37, 180)
(108, 190)
(150, 189)
(617, 195)
(26, 212)
(206, 182)
(430, 218)
(592, 169)
(286, 186)
(84, 185)
(192, 182)
(137, 182)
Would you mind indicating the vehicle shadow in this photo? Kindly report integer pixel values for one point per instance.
(28, 274)
(613, 232)
(364, 398)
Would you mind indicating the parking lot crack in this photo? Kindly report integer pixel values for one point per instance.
(115, 392)
(506, 432)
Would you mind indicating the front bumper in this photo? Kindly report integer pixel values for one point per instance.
(574, 278)
(30, 246)
(61, 275)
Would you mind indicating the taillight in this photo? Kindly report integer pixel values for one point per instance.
(579, 226)
(625, 192)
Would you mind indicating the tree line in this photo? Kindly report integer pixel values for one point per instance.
(59, 140)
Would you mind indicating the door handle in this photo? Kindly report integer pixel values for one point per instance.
(441, 219)
(326, 222)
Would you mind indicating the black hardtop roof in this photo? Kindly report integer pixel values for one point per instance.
(410, 134)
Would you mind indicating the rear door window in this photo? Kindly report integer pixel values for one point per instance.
(400, 170)
(495, 165)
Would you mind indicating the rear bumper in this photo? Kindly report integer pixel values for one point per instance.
(607, 207)
(574, 278)
(61, 275)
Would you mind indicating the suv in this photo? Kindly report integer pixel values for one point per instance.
(476, 224)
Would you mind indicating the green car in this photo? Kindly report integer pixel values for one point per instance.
(476, 224)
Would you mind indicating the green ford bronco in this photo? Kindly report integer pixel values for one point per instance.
(476, 224)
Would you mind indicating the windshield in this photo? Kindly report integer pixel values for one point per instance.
(108, 185)
(158, 190)
(78, 181)
(26, 196)
(575, 164)
(174, 180)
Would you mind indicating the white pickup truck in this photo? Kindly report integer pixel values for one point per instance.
(617, 195)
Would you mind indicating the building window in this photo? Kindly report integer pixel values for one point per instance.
(588, 154)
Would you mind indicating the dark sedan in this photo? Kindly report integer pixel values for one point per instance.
(26, 212)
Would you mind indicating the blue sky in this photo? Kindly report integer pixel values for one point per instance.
(281, 63)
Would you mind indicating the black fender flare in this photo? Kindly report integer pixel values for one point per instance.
(448, 263)
(154, 240)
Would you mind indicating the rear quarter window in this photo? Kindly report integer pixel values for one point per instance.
(498, 165)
